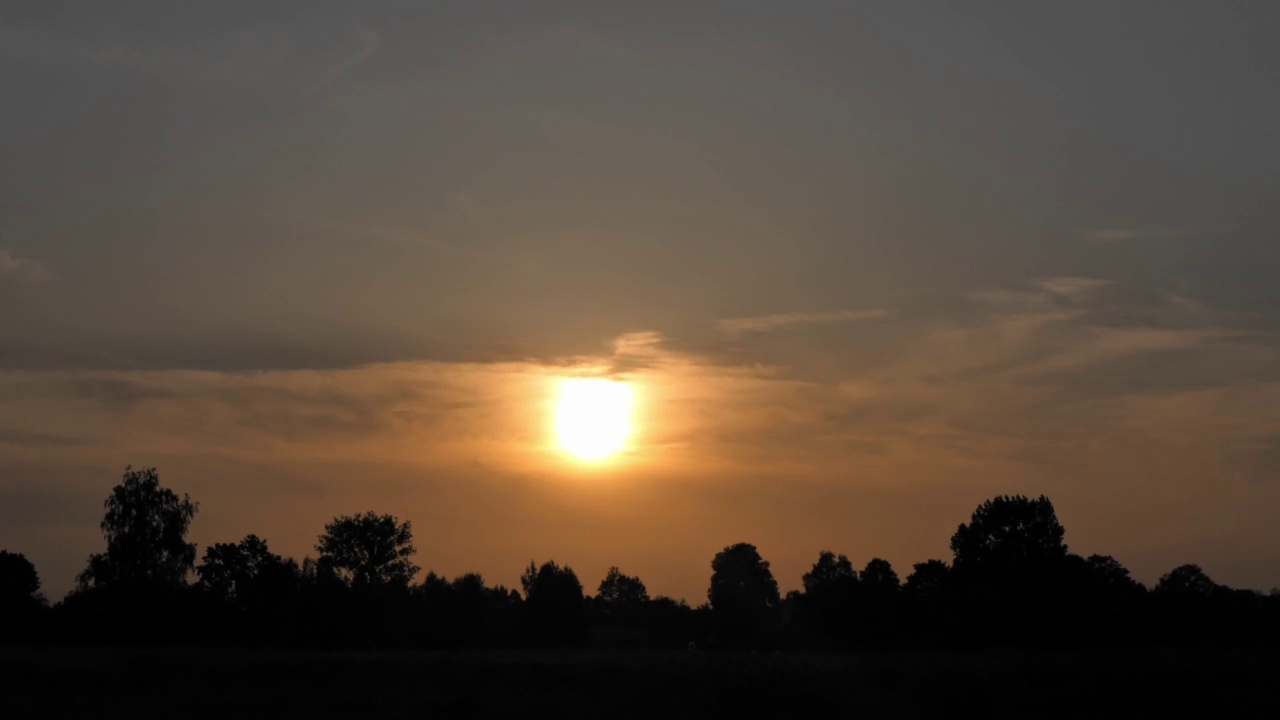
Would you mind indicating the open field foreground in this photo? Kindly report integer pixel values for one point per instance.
(619, 684)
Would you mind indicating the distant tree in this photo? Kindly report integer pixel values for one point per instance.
(549, 580)
(879, 577)
(671, 622)
(145, 526)
(825, 612)
(319, 574)
(743, 594)
(470, 585)
(555, 607)
(831, 575)
(18, 577)
(369, 550)
(434, 585)
(19, 581)
(462, 612)
(474, 602)
(1105, 574)
(927, 581)
(20, 599)
(1187, 581)
(1010, 541)
(241, 573)
(621, 593)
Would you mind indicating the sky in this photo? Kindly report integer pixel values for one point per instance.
(863, 264)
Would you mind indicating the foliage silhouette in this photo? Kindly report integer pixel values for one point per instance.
(621, 591)
(1009, 569)
(145, 526)
(1012, 582)
(555, 608)
(928, 581)
(1187, 581)
(830, 575)
(880, 579)
(368, 551)
(620, 599)
(824, 612)
(743, 595)
(19, 581)
(1009, 535)
(22, 607)
(236, 573)
(1105, 573)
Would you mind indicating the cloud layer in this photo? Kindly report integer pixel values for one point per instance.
(19, 268)
(1127, 427)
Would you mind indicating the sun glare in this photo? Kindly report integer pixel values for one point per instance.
(593, 417)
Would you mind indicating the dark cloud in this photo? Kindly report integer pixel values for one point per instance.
(23, 438)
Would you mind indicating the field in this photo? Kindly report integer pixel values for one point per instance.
(228, 684)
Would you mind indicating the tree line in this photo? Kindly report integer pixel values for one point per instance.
(1011, 581)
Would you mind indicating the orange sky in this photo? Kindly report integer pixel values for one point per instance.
(884, 465)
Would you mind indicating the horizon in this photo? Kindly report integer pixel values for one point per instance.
(858, 269)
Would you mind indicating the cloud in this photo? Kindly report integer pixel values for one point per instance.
(1116, 235)
(36, 440)
(766, 323)
(722, 444)
(1071, 287)
(1110, 235)
(365, 45)
(12, 266)
(35, 44)
(1185, 303)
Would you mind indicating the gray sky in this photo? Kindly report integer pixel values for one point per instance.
(903, 256)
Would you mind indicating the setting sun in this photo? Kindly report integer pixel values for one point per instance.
(593, 417)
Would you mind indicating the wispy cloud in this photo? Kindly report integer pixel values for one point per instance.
(13, 266)
(766, 323)
(366, 44)
(35, 44)
(1116, 234)
(1071, 287)
(1185, 303)
(1110, 235)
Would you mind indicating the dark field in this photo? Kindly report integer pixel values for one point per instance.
(247, 683)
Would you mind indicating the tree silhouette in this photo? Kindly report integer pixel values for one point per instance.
(1009, 534)
(21, 604)
(826, 607)
(368, 551)
(145, 526)
(927, 581)
(619, 592)
(1187, 581)
(1009, 571)
(464, 612)
(743, 594)
(831, 575)
(236, 573)
(19, 581)
(878, 598)
(1013, 583)
(879, 578)
(554, 604)
(1103, 575)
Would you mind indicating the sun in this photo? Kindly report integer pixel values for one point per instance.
(593, 417)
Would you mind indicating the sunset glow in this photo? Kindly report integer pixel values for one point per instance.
(593, 417)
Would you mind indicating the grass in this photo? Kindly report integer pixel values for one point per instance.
(229, 684)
